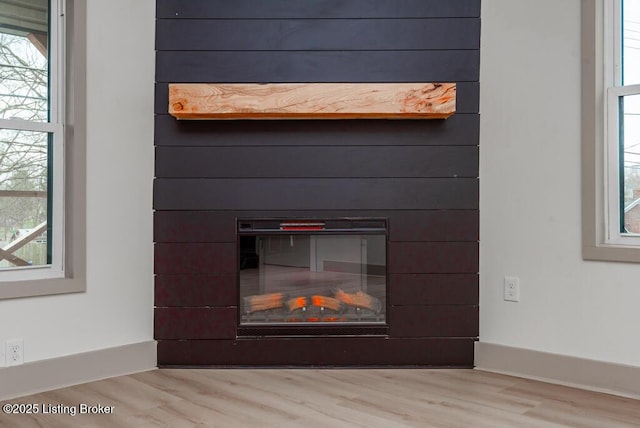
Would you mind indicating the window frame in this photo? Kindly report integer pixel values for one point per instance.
(600, 152)
(68, 123)
(55, 129)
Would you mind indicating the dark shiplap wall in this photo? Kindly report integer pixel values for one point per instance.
(422, 175)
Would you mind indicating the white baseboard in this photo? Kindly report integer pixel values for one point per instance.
(592, 375)
(46, 375)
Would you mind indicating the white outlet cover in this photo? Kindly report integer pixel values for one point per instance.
(511, 289)
(9, 358)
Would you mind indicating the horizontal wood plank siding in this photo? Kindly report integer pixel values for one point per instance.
(404, 226)
(193, 290)
(433, 257)
(420, 175)
(318, 34)
(364, 351)
(194, 226)
(195, 323)
(317, 66)
(322, 9)
(458, 130)
(439, 226)
(433, 289)
(317, 162)
(207, 258)
(315, 194)
(434, 321)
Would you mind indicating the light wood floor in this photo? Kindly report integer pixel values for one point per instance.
(329, 398)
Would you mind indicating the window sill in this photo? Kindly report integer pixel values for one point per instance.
(611, 253)
(41, 287)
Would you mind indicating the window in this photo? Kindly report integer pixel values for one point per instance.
(611, 130)
(623, 123)
(41, 147)
(31, 139)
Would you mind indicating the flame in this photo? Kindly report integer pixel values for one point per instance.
(296, 303)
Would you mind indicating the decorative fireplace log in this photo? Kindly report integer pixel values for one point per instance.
(326, 302)
(312, 100)
(263, 302)
(297, 303)
(359, 300)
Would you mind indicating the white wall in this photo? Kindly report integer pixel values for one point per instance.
(530, 194)
(117, 308)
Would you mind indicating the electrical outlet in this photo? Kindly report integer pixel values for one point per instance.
(14, 352)
(511, 289)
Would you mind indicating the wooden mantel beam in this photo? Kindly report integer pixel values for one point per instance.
(312, 101)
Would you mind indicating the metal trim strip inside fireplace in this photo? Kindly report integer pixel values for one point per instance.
(299, 277)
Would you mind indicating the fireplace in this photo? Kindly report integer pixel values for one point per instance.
(236, 201)
(312, 276)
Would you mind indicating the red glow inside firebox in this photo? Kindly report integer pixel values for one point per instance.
(302, 225)
(299, 228)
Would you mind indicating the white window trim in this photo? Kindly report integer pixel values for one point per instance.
(68, 124)
(600, 187)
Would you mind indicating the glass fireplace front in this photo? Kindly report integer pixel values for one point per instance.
(312, 272)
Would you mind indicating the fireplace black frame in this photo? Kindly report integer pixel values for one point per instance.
(312, 226)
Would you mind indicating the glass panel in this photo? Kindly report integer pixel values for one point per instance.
(329, 279)
(629, 121)
(23, 198)
(24, 73)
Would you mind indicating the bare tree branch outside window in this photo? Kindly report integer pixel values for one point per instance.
(24, 92)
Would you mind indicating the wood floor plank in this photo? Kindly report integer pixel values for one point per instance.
(442, 385)
(567, 415)
(225, 403)
(289, 398)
